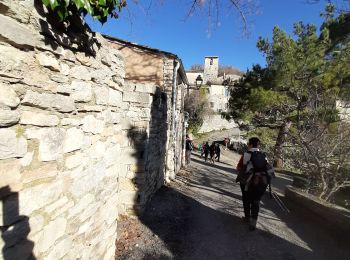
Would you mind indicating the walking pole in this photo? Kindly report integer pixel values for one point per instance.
(280, 202)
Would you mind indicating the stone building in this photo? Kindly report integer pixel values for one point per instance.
(214, 85)
(90, 128)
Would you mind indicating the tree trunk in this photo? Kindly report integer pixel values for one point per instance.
(281, 138)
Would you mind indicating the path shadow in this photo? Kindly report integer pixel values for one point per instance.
(14, 228)
(191, 230)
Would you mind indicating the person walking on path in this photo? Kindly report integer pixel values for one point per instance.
(212, 152)
(218, 152)
(254, 174)
(200, 147)
(189, 148)
(206, 151)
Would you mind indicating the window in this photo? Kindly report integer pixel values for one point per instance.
(211, 61)
(212, 104)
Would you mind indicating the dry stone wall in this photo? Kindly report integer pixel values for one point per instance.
(78, 145)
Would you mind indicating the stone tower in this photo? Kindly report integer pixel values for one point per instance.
(211, 69)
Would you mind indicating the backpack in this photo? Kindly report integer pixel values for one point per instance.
(189, 145)
(259, 161)
(260, 176)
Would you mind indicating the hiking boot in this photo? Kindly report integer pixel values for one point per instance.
(252, 224)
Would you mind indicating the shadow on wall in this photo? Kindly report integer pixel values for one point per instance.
(14, 228)
(57, 34)
(141, 66)
(150, 151)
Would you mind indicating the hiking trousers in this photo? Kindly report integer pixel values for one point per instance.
(251, 200)
(188, 156)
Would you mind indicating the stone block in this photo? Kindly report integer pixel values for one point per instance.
(38, 119)
(128, 197)
(36, 223)
(27, 159)
(80, 72)
(64, 69)
(60, 249)
(83, 59)
(58, 102)
(51, 233)
(16, 34)
(88, 179)
(92, 125)
(40, 174)
(10, 174)
(88, 108)
(73, 140)
(74, 161)
(112, 153)
(101, 95)
(136, 97)
(57, 204)
(115, 98)
(51, 143)
(8, 96)
(11, 146)
(48, 60)
(80, 205)
(145, 88)
(33, 133)
(63, 210)
(126, 184)
(8, 117)
(71, 121)
(89, 211)
(59, 78)
(81, 91)
(101, 76)
(37, 197)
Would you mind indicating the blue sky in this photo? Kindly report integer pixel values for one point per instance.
(163, 27)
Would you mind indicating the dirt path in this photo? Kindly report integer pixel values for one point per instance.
(199, 217)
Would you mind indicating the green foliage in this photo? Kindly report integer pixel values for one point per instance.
(197, 105)
(98, 9)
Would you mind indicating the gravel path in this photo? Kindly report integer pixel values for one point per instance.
(199, 217)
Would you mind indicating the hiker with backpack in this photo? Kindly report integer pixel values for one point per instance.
(189, 148)
(254, 175)
(206, 149)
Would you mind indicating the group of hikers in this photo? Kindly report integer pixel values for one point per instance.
(254, 174)
(205, 149)
(213, 150)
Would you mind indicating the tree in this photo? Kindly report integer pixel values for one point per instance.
(229, 70)
(197, 105)
(297, 93)
(197, 67)
(98, 9)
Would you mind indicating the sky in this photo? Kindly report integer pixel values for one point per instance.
(163, 26)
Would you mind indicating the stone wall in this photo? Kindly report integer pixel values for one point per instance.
(78, 144)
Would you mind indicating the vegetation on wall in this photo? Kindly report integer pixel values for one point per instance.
(197, 106)
(98, 9)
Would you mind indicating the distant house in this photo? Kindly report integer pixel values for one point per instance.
(216, 85)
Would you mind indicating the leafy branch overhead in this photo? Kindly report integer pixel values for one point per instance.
(98, 9)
